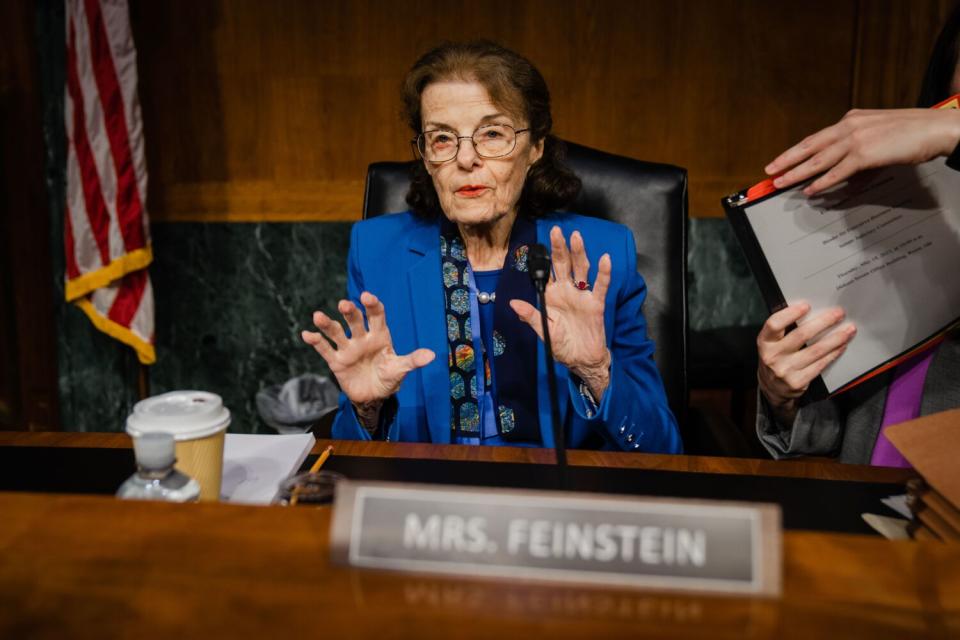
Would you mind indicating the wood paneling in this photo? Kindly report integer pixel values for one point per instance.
(28, 374)
(894, 39)
(272, 110)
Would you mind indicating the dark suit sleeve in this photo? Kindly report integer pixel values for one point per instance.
(633, 414)
(817, 430)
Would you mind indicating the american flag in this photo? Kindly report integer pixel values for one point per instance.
(106, 229)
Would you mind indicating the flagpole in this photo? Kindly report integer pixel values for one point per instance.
(143, 381)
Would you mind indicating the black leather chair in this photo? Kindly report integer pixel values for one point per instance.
(650, 199)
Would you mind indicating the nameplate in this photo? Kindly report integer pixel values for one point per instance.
(587, 538)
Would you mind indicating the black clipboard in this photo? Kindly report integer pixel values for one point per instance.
(735, 205)
(735, 208)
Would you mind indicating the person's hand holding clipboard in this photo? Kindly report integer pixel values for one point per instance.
(850, 250)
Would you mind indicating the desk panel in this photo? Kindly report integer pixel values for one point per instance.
(802, 467)
(100, 568)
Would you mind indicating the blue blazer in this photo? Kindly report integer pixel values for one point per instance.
(397, 258)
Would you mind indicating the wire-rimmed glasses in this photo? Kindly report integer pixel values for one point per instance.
(489, 141)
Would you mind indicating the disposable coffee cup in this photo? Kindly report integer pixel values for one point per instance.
(198, 422)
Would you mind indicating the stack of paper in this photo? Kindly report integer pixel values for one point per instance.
(255, 465)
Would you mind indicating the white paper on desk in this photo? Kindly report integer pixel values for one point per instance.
(889, 528)
(885, 247)
(899, 504)
(255, 465)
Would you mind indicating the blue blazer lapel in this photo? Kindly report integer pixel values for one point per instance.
(563, 375)
(426, 301)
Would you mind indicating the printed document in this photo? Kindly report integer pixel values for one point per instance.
(885, 246)
(255, 465)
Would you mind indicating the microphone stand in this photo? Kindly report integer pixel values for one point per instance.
(539, 262)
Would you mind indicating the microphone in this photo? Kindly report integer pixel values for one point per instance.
(538, 261)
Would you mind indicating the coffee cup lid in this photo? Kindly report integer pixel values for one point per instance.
(187, 415)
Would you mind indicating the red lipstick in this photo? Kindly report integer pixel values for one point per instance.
(471, 190)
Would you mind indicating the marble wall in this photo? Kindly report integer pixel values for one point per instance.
(721, 291)
(231, 300)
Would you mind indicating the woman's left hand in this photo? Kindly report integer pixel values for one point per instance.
(575, 315)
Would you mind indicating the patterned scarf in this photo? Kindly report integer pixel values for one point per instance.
(513, 375)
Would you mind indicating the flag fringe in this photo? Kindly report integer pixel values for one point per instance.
(145, 351)
(119, 267)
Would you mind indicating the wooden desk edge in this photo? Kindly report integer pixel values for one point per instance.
(804, 468)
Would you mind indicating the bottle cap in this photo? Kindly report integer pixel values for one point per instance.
(154, 450)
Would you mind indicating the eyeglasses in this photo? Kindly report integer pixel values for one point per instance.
(489, 141)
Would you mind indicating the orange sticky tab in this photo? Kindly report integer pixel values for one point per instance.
(953, 102)
(929, 344)
(760, 189)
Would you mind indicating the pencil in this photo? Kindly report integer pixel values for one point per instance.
(295, 496)
(323, 458)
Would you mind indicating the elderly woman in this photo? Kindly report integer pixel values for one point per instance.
(452, 273)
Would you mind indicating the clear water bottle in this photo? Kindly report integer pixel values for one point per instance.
(156, 479)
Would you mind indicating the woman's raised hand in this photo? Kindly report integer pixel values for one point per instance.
(575, 316)
(366, 366)
(866, 139)
(787, 366)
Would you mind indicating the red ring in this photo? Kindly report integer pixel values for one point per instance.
(580, 284)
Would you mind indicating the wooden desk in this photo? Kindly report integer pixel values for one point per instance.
(89, 566)
(97, 567)
(813, 495)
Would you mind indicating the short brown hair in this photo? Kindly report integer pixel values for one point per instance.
(514, 85)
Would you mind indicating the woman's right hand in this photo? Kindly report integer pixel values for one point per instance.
(787, 366)
(367, 368)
